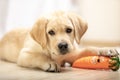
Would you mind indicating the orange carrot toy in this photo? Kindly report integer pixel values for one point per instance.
(98, 62)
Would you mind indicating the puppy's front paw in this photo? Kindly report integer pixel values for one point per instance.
(108, 52)
(51, 67)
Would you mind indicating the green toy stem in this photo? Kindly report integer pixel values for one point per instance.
(115, 64)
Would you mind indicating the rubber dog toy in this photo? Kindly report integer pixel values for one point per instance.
(98, 62)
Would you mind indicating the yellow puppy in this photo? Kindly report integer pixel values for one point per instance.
(52, 41)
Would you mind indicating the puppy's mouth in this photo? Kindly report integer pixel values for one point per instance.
(64, 51)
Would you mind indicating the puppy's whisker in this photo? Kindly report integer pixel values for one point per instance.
(54, 53)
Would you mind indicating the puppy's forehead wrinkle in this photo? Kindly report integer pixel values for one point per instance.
(59, 24)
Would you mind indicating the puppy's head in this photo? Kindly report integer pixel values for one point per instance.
(59, 32)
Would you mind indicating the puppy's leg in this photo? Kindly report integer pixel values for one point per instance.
(98, 51)
(38, 60)
(108, 51)
(90, 52)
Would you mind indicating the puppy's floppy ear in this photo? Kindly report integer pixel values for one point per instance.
(80, 26)
(38, 31)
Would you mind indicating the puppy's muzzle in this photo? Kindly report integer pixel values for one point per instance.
(63, 47)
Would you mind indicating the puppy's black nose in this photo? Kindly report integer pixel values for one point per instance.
(63, 46)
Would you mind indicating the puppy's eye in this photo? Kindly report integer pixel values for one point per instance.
(51, 32)
(68, 30)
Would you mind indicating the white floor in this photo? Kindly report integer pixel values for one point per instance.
(10, 71)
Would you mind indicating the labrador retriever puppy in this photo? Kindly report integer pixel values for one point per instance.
(52, 41)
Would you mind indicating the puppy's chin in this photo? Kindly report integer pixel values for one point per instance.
(59, 53)
(63, 52)
(55, 53)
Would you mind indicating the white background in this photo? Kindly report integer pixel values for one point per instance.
(103, 16)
